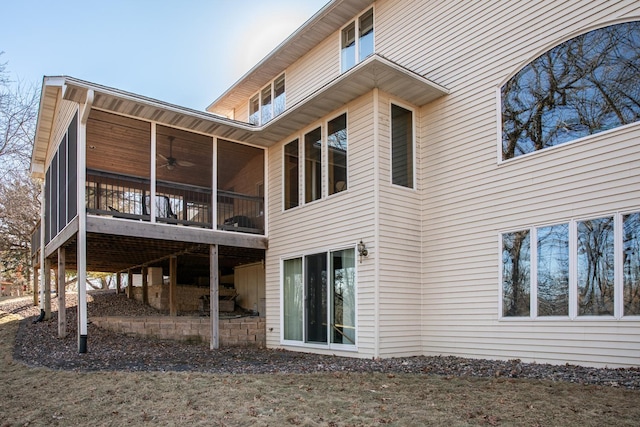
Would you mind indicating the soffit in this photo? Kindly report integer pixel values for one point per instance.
(375, 72)
(48, 104)
(324, 23)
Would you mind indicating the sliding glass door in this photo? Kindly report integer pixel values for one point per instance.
(319, 298)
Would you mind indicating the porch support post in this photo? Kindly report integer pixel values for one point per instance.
(118, 283)
(173, 286)
(145, 285)
(62, 309)
(213, 295)
(129, 284)
(84, 110)
(36, 286)
(46, 298)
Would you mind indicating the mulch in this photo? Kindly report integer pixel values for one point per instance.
(38, 345)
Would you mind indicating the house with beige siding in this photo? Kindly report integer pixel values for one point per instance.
(396, 178)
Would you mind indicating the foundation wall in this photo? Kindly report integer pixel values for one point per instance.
(241, 331)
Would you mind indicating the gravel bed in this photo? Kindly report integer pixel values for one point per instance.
(37, 344)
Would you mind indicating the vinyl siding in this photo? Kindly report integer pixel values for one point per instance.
(468, 197)
(334, 222)
(313, 70)
(399, 253)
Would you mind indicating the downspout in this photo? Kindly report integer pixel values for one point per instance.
(376, 204)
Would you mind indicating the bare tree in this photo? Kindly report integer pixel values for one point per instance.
(19, 203)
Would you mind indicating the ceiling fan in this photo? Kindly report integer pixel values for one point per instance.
(172, 162)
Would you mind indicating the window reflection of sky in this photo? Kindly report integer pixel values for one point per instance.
(583, 86)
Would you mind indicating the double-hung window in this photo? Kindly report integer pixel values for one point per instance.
(356, 42)
(321, 162)
(268, 103)
(580, 268)
(319, 298)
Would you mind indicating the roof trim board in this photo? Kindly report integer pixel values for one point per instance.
(374, 72)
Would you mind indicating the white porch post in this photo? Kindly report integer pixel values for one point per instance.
(62, 309)
(213, 295)
(152, 182)
(82, 223)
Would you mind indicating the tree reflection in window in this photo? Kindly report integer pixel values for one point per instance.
(553, 270)
(586, 85)
(595, 267)
(631, 263)
(516, 262)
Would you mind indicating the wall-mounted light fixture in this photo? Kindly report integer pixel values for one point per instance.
(362, 250)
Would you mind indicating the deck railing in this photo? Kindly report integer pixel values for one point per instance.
(128, 197)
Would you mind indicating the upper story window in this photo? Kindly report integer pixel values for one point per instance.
(270, 102)
(321, 149)
(586, 85)
(357, 40)
(402, 147)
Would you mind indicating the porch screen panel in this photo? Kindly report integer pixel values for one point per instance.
(72, 167)
(316, 298)
(313, 165)
(54, 195)
(47, 206)
(343, 305)
(292, 299)
(62, 185)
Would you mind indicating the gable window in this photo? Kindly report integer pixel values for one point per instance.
(402, 157)
(269, 103)
(291, 177)
(356, 40)
(570, 269)
(319, 295)
(586, 85)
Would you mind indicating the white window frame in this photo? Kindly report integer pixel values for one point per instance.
(258, 96)
(356, 24)
(300, 176)
(618, 301)
(413, 142)
(329, 345)
(325, 154)
(324, 161)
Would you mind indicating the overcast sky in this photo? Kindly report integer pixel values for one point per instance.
(185, 52)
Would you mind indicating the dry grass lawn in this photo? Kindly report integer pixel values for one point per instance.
(41, 397)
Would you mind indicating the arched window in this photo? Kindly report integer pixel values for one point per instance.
(586, 85)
